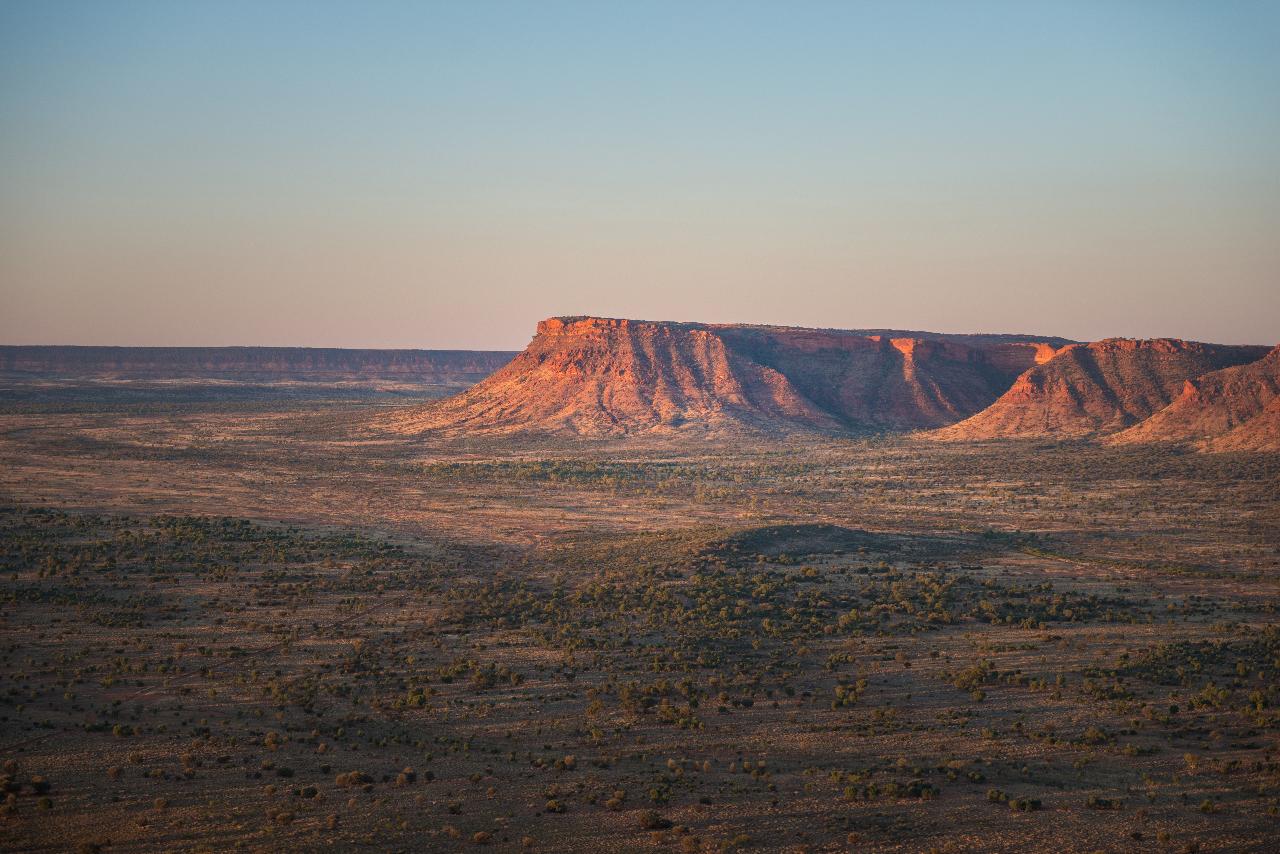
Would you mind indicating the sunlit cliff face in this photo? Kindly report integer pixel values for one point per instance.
(1097, 388)
(1234, 409)
(608, 376)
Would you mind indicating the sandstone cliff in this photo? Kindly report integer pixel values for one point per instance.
(1236, 408)
(606, 376)
(1097, 388)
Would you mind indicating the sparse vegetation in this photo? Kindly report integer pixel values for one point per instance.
(747, 648)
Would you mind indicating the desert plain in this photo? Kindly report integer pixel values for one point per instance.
(261, 620)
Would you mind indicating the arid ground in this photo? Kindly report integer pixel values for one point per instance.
(254, 623)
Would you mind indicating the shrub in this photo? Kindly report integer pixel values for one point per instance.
(1097, 803)
(353, 778)
(652, 820)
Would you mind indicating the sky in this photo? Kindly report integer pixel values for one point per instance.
(446, 174)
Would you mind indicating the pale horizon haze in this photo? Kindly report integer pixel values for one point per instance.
(444, 175)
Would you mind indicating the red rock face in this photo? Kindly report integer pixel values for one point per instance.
(1235, 408)
(1097, 388)
(605, 376)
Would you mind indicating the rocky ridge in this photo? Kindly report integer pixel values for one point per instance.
(1097, 388)
(1234, 409)
(606, 376)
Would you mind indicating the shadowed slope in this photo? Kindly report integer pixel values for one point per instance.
(1097, 388)
(603, 376)
(1236, 408)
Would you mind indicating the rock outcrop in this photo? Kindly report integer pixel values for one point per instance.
(606, 376)
(1234, 409)
(1097, 388)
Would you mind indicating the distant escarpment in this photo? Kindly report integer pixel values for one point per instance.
(1234, 409)
(244, 364)
(1097, 388)
(603, 376)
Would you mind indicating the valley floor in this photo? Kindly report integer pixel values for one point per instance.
(252, 625)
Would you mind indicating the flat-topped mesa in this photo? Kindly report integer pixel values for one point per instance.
(1236, 408)
(611, 376)
(1097, 388)
(580, 325)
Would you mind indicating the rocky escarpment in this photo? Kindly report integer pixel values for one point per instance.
(606, 376)
(1097, 388)
(1236, 408)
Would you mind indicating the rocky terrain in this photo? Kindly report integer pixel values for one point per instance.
(1098, 388)
(1236, 408)
(603, 376)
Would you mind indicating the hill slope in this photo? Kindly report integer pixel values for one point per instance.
(1236, 408)
(1097, 388)
(605, 376)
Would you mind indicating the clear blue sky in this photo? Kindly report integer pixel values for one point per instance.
(446, 174)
